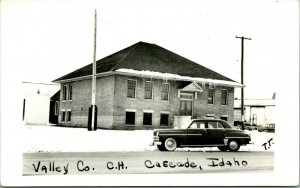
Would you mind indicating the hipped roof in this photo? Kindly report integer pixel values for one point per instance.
(151, 57)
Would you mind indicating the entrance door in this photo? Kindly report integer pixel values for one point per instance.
(185, 108)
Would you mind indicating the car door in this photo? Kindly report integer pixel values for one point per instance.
(197, 133)
(215, 133)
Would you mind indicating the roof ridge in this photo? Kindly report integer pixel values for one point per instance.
(130, 51)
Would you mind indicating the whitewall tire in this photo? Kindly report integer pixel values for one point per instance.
(170, 144)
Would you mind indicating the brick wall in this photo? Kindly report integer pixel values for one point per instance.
(112, 103)
(81, 101)
(200, 106)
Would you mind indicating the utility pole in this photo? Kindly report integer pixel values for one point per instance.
(92, 119)
(242, 79)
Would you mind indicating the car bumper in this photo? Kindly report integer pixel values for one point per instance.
(155, 143)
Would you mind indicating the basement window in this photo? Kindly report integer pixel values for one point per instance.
(63, 115)
(164, 119)
(69, 113)
(225, 118)
(147, 120)
(130, 118)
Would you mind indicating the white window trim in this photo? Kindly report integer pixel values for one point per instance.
(134, 90)
(130, 110)
(152, 96)
(148, 111)
(168, 92)
(164, 112)
(210, 115)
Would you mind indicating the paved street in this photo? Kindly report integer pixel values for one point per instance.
(66, 163)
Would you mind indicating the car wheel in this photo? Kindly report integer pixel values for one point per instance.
(233, 145)
(223, 148)
(170, 144)
(161, 147)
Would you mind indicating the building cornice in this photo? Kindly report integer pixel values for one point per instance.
(109, 73)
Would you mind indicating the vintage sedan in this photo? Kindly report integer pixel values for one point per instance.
(201, 133)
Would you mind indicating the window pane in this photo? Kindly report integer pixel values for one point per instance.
(131, 86)
(165, 92)
(220, 126)
(130, 118)
(210, 99)
(63, 116)
(68, 115)
(148, 90)
(224, 97)
(65, 92)
(198, 125)
(212, 125)
(147, 119)
(164, 119)
(70, 92)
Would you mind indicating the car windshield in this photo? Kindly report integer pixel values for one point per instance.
(226, 125)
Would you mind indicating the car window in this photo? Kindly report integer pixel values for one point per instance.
(197, 125)
(215, 125)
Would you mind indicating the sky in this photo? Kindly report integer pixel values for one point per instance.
(43, 40)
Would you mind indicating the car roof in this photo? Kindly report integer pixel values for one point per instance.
(207, 120)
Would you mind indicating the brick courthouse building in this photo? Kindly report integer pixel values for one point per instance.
(145, 86)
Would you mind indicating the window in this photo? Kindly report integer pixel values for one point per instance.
(56, 108)
(70, 92)
(147, 118)
(65, 92)
(215, 125)
(130, 118)
(224, 97)
(131, 87)
(148, 90)
(224, 118)
(69, 115)
(63, 116)
(165, 88)
(164, 119)
(211, 93)
(197, 125)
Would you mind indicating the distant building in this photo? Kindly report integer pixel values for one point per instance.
(145, 86)
(36, 102)
(257, 112)
(54, 108)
